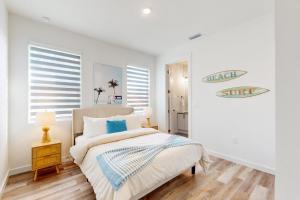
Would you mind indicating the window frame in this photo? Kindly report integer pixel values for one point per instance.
(57, 49)
(149, 85)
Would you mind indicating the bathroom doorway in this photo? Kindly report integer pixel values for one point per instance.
(178, 94)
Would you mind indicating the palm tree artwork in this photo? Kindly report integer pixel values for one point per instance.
(113, 84)
(99, 91)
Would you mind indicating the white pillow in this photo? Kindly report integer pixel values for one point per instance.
(94, 126)
(80, 139)
(132, 121)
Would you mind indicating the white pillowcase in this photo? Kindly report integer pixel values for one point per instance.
(94, 126)
(132, 121)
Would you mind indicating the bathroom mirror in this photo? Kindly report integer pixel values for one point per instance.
(108, 84)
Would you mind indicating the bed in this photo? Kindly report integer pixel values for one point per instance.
(165, 166)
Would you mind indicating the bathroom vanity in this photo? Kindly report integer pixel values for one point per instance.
(182, 122)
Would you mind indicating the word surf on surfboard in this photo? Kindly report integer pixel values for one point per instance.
(241, 92)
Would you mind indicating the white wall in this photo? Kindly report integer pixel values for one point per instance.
(22, 32)
(3, 96)
(287, 100)
(242, 130)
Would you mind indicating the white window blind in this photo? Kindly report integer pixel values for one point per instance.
(54, 82)
(138, 88)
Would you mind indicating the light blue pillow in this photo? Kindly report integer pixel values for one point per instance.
(114, 126)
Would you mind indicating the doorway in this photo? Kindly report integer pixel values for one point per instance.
(178, 94)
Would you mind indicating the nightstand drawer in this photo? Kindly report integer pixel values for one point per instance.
(46, 161)
(39, 152)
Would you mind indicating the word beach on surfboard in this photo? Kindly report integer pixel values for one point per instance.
(223, 76)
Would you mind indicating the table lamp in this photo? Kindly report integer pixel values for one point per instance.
(45, 119)
(148, 113)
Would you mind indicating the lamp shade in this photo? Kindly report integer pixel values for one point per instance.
(45, 118)
(148, 112)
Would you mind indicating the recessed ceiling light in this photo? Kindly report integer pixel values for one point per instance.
(147, 11)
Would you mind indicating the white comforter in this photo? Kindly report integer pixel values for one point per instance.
(165, 166)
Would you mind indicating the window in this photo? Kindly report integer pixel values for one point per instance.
(138, 88)
(54, 82)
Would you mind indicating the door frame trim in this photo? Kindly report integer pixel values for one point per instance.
(188, 58)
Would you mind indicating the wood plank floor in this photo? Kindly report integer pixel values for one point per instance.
(224, 181)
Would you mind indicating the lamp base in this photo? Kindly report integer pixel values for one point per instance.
(46, 138)
(148, 123)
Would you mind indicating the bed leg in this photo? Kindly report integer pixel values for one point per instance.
(193, 169)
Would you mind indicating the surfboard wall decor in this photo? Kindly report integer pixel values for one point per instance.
(241, 92)
(223, 76)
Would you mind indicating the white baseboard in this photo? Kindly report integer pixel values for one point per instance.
(3, 183)
(242, 162)
(19, 170)
(27, 168)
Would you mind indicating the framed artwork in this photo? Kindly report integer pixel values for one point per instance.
(108, 84)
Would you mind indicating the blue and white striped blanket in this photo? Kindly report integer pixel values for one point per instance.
(121, 163)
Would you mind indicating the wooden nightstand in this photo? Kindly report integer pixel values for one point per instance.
(46, 155)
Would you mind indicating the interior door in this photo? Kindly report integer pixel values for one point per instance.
(171, 109)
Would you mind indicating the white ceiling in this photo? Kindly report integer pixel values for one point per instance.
(121, 21)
